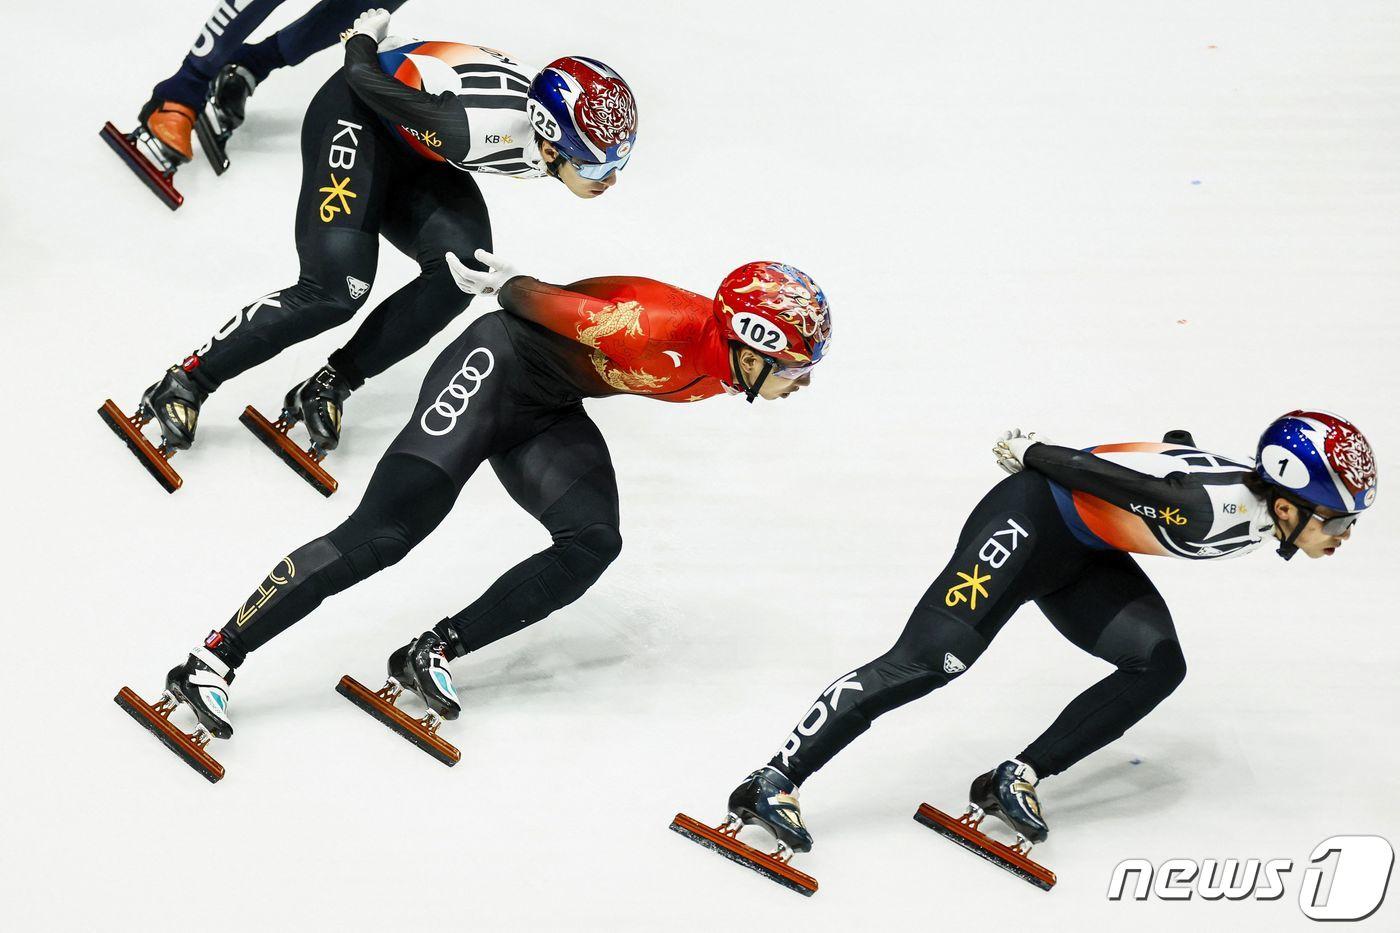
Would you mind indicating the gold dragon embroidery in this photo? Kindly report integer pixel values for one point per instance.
(635, 380)
(623, 316)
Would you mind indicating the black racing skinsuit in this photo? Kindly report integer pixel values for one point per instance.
(1015, 547)
(360, 182)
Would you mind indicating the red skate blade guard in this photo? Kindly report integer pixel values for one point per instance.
(169, 736)
(159, 468)
(979, 843)
(160, 185)
(746, 855)
(289, 453)
(397, 720)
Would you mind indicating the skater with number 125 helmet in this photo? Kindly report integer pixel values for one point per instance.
(1060, 532)
(390, 146)
(509, 391)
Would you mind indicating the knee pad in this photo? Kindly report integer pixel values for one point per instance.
(367, 550)
(933, 650)
(591, 550)
(1165, 668)
(329, 305)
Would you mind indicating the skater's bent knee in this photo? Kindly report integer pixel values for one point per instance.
(1166, 667)
(589, 552)
(602, 540)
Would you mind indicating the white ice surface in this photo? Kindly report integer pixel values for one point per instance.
(1099, 220)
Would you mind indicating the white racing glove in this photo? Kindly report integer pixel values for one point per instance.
(473, 282)
(1010, 449)
(372, 23)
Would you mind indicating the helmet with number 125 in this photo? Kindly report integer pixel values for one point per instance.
(779, 312)
(585, 109)
(1320, 459)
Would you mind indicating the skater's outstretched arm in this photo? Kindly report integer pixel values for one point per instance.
(1117, 484)
(615, 327)
(441, 115)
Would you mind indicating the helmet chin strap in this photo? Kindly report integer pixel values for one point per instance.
(1287, 548)
(750, 391)
(551, 167)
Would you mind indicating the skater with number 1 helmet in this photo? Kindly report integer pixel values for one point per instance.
(390, 146)
(509, 390)
(1061, 532)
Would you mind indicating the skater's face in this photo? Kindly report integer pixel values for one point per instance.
(583, 187)
(1313, 541)
(775, 386)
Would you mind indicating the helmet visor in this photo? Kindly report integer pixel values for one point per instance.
(1337, 525)
(793, 371)
(597, 171)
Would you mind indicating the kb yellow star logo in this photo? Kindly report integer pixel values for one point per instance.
(968, 590)
(336, 190)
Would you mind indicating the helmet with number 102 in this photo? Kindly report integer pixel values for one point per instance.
(585, 109)
(1320, 459)
(779, 312)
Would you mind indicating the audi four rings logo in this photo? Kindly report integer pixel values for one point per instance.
(451, 402)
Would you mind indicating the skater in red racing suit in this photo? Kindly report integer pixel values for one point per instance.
(509, 392)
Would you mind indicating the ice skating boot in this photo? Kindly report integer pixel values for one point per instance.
(157, 147)
(173, 403)
(318, 403)
(201, 683)
(421, 668)
(1008, 793)
(768, 798)
(223, 112)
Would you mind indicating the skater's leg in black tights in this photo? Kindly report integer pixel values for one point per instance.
(412, 489)
(316, 29)
(406, 499)
(432, 209)
(1113, 612)
(563, 477)
(347, 166)
(220, 39)
(1013, 546)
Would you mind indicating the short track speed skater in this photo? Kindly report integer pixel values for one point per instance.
(1007, 792)
(768, 799)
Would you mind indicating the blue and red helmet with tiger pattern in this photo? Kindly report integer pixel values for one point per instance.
(1319, 458)
(778, 311)
(585, 109)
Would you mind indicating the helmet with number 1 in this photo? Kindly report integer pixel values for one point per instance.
(1320, 459)
(585, 109)
(779, 312)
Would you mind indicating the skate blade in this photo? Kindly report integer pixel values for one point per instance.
(136, 442)
(396, 719)
(159, 182)
(292, 455)
(158, 724)
(977, 842)
(210, 143)
(731, 848)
